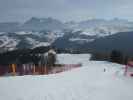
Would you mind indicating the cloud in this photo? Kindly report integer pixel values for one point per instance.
(20, 10)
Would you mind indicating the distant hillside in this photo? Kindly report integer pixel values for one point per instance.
(33, 24)
(9, 26)
(122, 41)
(38, 24)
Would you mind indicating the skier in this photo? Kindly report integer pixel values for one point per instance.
(104, 70)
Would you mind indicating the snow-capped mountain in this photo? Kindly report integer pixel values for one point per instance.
(18, 40)
(33, 24)
(38, 24)
(78, 37)
(121, 41)
(88, 31)
(102, 22)
(46, 31)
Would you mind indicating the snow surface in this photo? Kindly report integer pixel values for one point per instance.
(80, 39)
(23, 33)
(8, 42)
(36, 43)
(89, 82)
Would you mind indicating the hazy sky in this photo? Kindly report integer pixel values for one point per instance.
(21, 10)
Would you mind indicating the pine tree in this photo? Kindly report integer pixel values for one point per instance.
(116, 56)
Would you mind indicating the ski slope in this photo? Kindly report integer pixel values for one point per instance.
(89, 82)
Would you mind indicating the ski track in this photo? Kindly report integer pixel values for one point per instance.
(89, 82)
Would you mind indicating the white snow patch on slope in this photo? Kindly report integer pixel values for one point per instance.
(23, 33)
(1, 33)
(42, 44)
(8, 42)
(89, 82)
(80, 39)
(36, 43)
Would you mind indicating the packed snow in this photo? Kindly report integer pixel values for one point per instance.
(95, 80)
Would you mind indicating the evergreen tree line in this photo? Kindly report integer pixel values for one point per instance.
(114, 56)
(22, 56)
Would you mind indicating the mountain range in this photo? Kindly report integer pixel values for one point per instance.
(51, 24)
(48, 31)
(121, 41)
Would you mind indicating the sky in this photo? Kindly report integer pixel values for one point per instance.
(65, 10)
